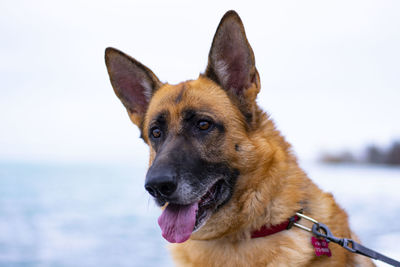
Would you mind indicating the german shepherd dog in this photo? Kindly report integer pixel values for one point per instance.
(219, 167)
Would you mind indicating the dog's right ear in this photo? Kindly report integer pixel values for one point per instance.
(133, 83)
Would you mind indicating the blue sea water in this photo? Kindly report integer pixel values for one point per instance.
(77, 215)
(100, 215)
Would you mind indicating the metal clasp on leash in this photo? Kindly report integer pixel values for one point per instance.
(322, 231)
(301, 215)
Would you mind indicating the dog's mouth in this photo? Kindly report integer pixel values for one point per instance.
(209, 203)
(177, 222)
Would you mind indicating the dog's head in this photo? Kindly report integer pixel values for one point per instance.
(197, 130)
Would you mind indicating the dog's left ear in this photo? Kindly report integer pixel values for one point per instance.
(231, 62)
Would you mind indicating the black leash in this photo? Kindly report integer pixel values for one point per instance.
(346, 243)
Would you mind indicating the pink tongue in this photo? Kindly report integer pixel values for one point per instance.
(177, 222)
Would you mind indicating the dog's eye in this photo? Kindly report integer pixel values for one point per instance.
(203, 125)
(156, 132)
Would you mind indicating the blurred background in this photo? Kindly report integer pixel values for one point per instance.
(72, 165)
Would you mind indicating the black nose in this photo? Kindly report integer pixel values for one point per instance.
(163, 186)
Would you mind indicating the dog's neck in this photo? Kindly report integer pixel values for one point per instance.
(267, 205)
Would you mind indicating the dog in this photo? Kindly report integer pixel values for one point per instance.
(219, 168)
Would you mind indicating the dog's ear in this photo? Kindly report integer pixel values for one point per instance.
(231, 61)
(133, 83)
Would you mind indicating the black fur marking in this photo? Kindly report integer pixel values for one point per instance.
(178, 157)
(236, 147)
(248, 116)
(189, 168)
(188, 114)
(180, 95)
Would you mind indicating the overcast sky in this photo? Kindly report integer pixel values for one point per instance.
(330, 71)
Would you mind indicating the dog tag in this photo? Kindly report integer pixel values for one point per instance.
(321, 247)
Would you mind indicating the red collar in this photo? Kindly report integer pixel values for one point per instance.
(265, 231)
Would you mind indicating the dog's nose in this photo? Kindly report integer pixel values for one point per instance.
(163, 186)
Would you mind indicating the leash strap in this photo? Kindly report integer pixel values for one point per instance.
(322, 231)
(360, 249)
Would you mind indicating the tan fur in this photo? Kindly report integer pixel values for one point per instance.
(271, 186)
